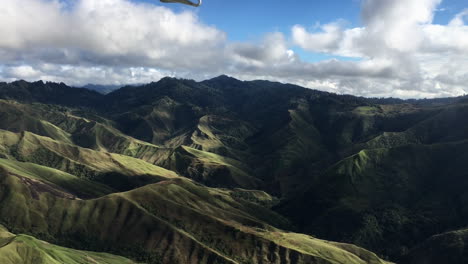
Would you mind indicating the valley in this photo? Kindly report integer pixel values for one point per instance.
(229, 171)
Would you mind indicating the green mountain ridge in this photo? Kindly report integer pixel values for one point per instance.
(144, 223)
(229, 171)
(26, 249)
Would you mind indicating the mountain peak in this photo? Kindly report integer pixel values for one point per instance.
(224, 77)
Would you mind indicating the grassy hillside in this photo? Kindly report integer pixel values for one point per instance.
(109, 172)
(402, 195)
(16, 249)
(176, 221)
(118, 171)
(15, 117)
(52, 180)
(449, 247)
(210, 168)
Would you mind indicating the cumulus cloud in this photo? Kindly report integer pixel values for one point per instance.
(390, 26)
(272, 50)
(82, 75)
(398, 50)
(401, 35)
(105, 32)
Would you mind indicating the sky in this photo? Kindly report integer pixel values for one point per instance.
(372, 48)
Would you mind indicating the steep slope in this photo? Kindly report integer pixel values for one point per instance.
(15, 117)
(444, 248)
(71, 125)
(443, 125)
(387, 199)
(118, 171)
(282, 134)
(210, 169)
(45, 179)
(175, 221)
(366, 171)
(22, 249)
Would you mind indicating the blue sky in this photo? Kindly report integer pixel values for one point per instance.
(378, 48)
(448, 9)
(249, 19)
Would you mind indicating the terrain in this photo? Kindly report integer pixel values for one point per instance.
(26, 249)
(229, 171)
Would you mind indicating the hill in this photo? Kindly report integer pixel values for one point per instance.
(231, 171)
(449, 247)
(28, 250)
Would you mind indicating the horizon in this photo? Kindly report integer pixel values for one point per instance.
(370, 48)
(136, 85)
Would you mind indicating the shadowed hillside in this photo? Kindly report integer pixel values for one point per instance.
(449, 247)
(174, 221)
(224, 170)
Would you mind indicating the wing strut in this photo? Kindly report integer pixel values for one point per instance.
(186, 2)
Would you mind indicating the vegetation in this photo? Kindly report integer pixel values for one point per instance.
(28, 250)
(226, 171)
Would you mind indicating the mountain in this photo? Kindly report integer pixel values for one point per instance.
(27, 249)
(49, 93)
(103, 89)
(230, 171)
(449, 247)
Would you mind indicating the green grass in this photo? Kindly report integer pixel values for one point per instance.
(57, 179)
(118, 171)
(216, 170)
(142, 223)
(23, 249)
(335, 253)
(383, 192)
(17, 117)
(378, 173)
(367, 110)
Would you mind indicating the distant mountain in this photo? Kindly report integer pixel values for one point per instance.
(49, 93)
(223, 170)
(103, 89)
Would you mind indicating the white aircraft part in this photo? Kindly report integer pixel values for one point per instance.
(186, 2)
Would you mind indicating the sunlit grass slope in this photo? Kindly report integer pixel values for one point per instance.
(23, 249)
(16, 117)
(118, 171)
(174, 221)
(72, 126)
(210, 168)
(381, 173)
(48, 179)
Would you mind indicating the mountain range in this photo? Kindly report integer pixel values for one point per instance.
(229, 171)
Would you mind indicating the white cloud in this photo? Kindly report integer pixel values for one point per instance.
(401, 52)
(273, 50)
(396, 24)
(82, 75)
(106, 32)
(458, 20)
(327, 40)
(23, 72)
(400, 35)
